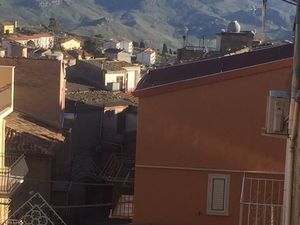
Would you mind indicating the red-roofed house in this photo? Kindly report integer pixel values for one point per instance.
(202, 156)
(40, 40)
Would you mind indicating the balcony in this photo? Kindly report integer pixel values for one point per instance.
(6, 87)
(13, 169)
(261, 201)
(119, 168)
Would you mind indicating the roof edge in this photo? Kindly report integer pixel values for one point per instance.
(214, 78)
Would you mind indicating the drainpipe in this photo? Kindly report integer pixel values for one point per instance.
(291, 209)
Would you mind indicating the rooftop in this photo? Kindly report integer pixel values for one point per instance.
(69, 39)
(149, 50)
(109, 65)
(7, 23)
(113, 50)
(102, 98)
(192, 70)
(29, 37)
(25, 134)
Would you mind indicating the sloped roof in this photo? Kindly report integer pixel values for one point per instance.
(69, 39)
(23, 134)
(29, 37)
(108, 65)
(102, 98)
(23, 123)
(192, 70)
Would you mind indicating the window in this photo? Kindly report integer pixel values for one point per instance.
(218, 194)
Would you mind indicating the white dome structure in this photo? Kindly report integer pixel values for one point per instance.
(234, 27)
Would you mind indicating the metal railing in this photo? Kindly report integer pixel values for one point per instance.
(261, 201)
(120, 168)
(13, 169)
(123, 209)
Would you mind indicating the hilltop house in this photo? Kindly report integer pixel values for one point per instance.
(14, 49)
(148, 56)
(35, 40)
(70, 43)
(202, 156)
(7, 27)
(112, 43)
(123, 44)
(111, 75)
(117, 54)
(126, 45)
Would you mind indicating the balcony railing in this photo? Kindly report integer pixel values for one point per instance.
(13, 169)
(261, 201)
(123, 209)
(120, 168)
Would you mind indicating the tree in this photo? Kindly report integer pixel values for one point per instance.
(164, 49)
(31, 44)
(53, 25)
(135, 44)
(142, 44)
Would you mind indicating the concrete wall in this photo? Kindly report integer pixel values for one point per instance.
(187, 133)
(232, 42)
(6, 87)
(71, 44)
(39, 89)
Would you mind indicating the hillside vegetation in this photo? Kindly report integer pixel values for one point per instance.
(155, 21)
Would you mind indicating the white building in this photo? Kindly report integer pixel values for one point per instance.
(126, 45)
(70, 43)
(112, 44)
(40, 40)
(148, 57)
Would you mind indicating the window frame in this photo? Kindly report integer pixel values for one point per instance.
(210, 210)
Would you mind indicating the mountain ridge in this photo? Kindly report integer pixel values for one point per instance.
(155, 21)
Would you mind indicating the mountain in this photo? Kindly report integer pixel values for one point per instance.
(155, 21)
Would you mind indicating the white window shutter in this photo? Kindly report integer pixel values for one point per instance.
(218, 194)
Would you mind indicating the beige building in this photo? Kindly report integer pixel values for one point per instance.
(13, 168)
(110, 75)
(39, 84)
(35, 40)
(7, 27)
(71, 44)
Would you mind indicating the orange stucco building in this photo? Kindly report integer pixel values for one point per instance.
(202, 157)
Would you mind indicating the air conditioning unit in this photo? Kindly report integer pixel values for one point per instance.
(278, 106)
(114, 86)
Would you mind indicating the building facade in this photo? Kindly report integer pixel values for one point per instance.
(7, 27)
(35, 40)
(147, 57)
(12, 168)
(112, 44)
(202, 155)
(111, 75)
(70, 44)
(117, 54)
(126, 45)
(39, 83)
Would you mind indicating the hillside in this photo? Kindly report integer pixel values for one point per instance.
(155, 21)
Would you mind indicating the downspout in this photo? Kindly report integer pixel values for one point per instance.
(292, 142)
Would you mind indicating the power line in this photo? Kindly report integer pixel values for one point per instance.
(67, 182)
